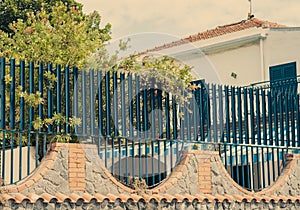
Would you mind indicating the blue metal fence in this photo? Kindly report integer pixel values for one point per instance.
(140, 128)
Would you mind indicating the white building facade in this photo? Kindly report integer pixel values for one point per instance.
(240, 54)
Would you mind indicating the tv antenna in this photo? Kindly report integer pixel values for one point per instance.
(250, 13)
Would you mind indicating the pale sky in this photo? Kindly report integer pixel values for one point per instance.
(186, 17)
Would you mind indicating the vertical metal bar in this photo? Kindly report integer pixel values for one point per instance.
(252, 168)
(137, 96)
(40, 88)
(207, 113)
(264, 117)
(225, 157)
(194, 116)
(201, 113)
(240, 116)
(58, 94)
(67, 99)
(22, 115)
(263, 168)
(174, 114)
(281, 113)
(31, 91)
(12, 158)
(3, 95)
(274, 101)
(160, 115)
(84, 99)
(123, 107)
(153, 128)
(215, 118)
(100, 103)
(252, 118)
(258, 168)
(130, 98)
(12, 116)
(245, 93)
(152, 104)
(36, 149)
(12, 95)
(3, 165)
(167, 110)
(50, 99)
(257, 93)
(187, 120)
(221, 120)
(233, 114)
(298, 119)
(248, 168)
(92, 103)
(145, 112)
(75, 95)
(28, 153)
(270, 118)
(115, 103)
(273, 164)
(293, 122)
(268, 166)
(227, 110)
(287, 120)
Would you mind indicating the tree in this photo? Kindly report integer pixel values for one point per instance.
(12, 10)
(55, 37)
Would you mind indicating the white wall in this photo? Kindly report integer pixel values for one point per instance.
(243, 61)
(282, 47)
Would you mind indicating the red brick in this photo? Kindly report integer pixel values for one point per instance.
(77, 180)
(76, 150)
(204, 173)
(72, 165)
(72, 184)
(72, 175)
(36, 177)
(29, 183)
(81, 175)
(81, 184)
(21, 187)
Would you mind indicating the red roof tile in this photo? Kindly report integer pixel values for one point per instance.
(73, 198)
(219, 31)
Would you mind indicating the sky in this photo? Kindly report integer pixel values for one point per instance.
(180, 18)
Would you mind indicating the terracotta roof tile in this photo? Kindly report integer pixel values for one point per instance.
(135, 197)
(19, 198)
(190, 198)
(75, 197)
(60, 198)
(168, 198)
(201, 198)
(180, 198)
(147, 198)
(218, 31)
(87, 197)
(123, 197)
(99, 197)
(47, 197)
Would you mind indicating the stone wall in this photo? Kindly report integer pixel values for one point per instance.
(150, 205)
(72, 176)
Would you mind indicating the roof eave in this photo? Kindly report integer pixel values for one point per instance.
(220, 46)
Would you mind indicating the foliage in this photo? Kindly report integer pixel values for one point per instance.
(167, 73)
(12, 10)
(55, 37)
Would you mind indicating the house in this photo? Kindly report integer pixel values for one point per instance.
(241, 53)
(247, 157)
